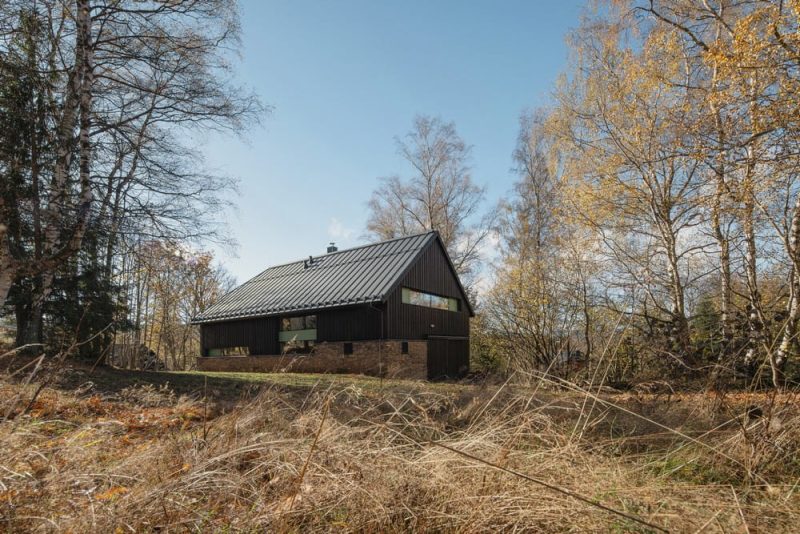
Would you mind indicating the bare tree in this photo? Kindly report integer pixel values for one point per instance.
(439, 194)
(122, 84)
(167, 285)
(750, 89)
(541, 294)
(60, 207)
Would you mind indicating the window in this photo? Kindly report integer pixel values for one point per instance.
(428, 300)
(229, 351)
(348, 348)
(404, 347)
(304, 322)
(298, 334)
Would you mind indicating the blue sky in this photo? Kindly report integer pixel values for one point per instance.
(345, 78)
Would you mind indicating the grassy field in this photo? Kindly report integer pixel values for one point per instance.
(122, 451)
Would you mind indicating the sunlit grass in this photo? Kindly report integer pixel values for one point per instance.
(253, 452)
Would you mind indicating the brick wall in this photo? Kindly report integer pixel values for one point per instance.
(377, 358)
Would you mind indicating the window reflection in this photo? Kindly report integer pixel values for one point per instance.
(429, 300)
(306, 322)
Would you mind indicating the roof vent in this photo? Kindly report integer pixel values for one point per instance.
(309, 262)
(332, 247)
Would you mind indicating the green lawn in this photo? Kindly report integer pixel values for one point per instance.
(232, 385)
(316, 379)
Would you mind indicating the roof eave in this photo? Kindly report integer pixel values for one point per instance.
(279, 313)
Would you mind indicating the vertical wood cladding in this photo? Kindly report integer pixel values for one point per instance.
(447, 358)
(354, 323)
(431, 274)
(259, 335)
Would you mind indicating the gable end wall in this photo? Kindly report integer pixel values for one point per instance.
(432, 274)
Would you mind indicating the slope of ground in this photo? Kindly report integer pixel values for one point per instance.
(111, 450)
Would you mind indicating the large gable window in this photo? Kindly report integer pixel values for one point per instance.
(429, 300)
(298, 334)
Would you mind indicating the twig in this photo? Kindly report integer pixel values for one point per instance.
(741, 512)
(713, 517)
(20, 348)
(103, 354)
(791, 491)
(13, 403)
(552, 487)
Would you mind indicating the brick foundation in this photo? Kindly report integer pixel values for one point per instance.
(376, 358)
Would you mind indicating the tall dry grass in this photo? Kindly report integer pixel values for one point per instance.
(346, 458)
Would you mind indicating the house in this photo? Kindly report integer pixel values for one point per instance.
(395, 308)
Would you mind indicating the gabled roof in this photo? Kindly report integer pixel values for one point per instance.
(360, 275)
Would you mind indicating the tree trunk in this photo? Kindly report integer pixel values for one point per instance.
(720, 193)
(778, 358)
(755, 313)
(43, 287)
(76, 108)
(7, 272)
(725, 287)
(587, 329)
(6, 279)
(679, 321)
(788, 343)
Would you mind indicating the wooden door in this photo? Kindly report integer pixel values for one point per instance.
(448, 357)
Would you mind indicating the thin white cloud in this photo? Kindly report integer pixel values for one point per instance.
(338, 231)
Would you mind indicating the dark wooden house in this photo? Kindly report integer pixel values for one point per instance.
(395, 308)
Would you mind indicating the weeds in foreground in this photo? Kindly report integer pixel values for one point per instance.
(349, 458)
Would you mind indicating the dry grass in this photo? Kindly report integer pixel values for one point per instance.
(340, 456)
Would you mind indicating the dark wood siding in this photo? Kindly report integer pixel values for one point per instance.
(355, 323)
(431, 274)
(259, 335)
(447, 357)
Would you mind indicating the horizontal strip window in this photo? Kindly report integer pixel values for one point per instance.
(230, 351)
(428, 300)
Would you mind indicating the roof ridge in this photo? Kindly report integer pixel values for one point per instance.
(379, 243)
(320, 266)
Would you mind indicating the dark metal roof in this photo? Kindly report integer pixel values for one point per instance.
(358, 275)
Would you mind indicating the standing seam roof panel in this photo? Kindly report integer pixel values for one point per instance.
(359, 275)
(384, 268)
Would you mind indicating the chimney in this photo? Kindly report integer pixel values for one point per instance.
(332, 247)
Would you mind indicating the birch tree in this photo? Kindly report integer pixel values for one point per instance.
(537, 302)
(631, 181)
(439, 194)
(126, 81)
(59, 207)
(749, 51)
